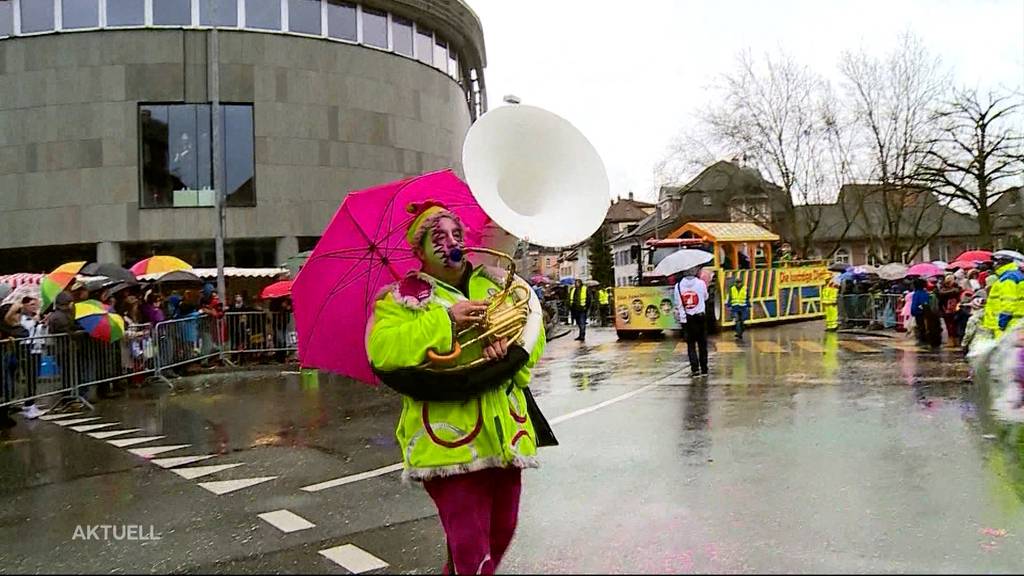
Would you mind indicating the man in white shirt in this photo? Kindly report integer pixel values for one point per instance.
(691, 296)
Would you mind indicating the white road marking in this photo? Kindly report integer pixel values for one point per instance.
(59, 416)
(197, 471)
(112, 433)
(179, 461)
(89, 427)
(225, 486)
(76, 421)
(154, 450)
(286, 521)
(133, 441)
(599, 405)
(353, 478)
(353, 558)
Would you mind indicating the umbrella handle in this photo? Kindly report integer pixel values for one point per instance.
(437, 358)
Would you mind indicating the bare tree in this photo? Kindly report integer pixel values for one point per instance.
(978, 147)
(893, 101)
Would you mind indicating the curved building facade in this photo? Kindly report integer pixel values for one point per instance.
(105, 132)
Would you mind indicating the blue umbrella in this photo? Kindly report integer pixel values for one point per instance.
(567, 280)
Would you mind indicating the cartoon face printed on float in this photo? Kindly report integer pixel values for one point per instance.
(623, 311)
(638, 306)
(652, 313)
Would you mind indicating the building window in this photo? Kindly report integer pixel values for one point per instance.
(126, 12)
(401, 34)
(177, 155)
(172, 13)
(453, 64)
(80, 14)
(6, 18)
(36, 15)
(263, 14)
(341, 20)
(441, 56)
(304, 16)
(375, 28)
(227, 12)
(842, 256)
(424, 46)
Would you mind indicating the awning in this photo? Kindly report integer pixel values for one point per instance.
(229, 272)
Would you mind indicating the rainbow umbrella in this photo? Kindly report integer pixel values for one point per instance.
(56, 281)
(159, 265)
(94, 318)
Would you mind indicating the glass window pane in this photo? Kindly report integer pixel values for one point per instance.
(172, 12)
(204, 150)
(401, 34)
(441, 56)
(453, 64)
(424, 45)
(156, 181)
(375, 28)
(6, 17)
(227, 12)
(36, 15)
(264, 14)
(239, 167)
(80, 14)
(304, 16)
(341, 20)
(182, 143)
(126, 12)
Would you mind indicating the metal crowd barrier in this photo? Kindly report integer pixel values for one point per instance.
(873, 311)
(65, 364)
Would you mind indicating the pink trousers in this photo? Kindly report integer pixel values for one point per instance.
(478, 511)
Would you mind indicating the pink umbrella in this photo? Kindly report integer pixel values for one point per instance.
(925, 270)
(364, 249)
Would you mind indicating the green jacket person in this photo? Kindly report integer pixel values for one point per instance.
(466, 437)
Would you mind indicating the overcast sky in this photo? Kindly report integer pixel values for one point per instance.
(630, 74)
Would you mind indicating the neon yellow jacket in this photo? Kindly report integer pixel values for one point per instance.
(1005, 299)
(829, 295)
(445, 438)
(602, 297)
(738, 296)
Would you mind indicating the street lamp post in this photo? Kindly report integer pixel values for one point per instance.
(213, 57)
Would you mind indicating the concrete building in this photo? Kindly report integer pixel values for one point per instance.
(105, 120)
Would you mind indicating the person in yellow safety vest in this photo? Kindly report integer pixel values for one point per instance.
(604, 305)
(1005, 302)
(739, 305)
(465, 435)
(578, 306)
(829, 303)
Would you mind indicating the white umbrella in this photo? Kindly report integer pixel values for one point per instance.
(893, 271)
(20, 292)
(1009, 254)
(680, 260)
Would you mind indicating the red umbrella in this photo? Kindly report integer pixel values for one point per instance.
(364, 249)
(925, 270)
(278, 289)
(962, 264)
(974, 256)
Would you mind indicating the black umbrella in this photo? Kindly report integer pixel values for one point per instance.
(839, 267)
(112, 271)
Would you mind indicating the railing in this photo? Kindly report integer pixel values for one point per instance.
(873, 311)
(66, 364)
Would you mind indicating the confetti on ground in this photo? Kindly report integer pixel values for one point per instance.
(995, 533)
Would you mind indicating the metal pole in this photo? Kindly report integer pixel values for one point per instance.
(213, 58)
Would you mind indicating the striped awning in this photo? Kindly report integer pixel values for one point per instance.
(229, 272)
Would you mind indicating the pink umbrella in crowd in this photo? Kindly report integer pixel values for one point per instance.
(925, 270)
(364, 249)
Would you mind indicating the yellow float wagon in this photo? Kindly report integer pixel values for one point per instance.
(778, 290)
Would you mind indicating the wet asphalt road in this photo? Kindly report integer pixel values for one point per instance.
(803, 452)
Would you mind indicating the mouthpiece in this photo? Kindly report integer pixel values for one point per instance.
(455, 255)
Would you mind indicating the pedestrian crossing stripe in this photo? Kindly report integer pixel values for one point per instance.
(854, 346)
(767, 346)
(809, 346)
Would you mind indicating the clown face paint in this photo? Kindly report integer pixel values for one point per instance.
(441, 245)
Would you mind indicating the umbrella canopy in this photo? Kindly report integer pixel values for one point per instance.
(974, 256)
(363, 249)
(925, 270)
(56, 281)
(963, 264)
(295, 263)
(1010, 254)
(278, 289)
(21, 292)
(112, 271)
(567, 280)
(538, 279)
(683, 259)
(159, 264)
(892, 271)
(838, 267)
(183, 276)
(94, 318)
